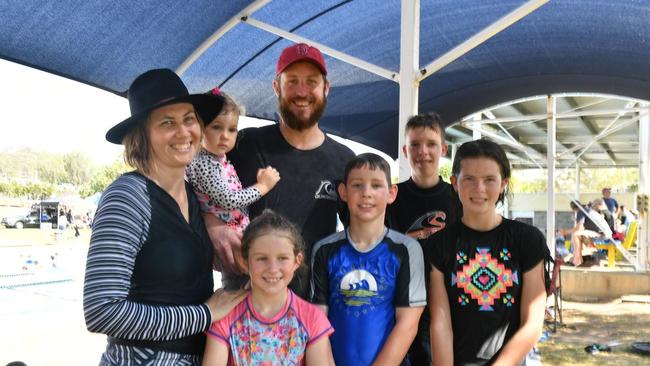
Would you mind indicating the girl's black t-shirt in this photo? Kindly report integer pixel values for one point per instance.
(483, 274)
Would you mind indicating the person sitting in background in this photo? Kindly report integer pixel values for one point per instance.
(595, 222)
(625, 218)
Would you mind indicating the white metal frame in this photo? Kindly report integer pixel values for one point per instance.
(550, 172)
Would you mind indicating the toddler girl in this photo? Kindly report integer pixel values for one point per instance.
(214, 178)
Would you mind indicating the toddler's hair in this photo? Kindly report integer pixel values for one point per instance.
(484, 149)
(430, 120)
(231, 106)
(372, 161)
(270, 222)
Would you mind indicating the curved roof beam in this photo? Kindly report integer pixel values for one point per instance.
(540, 117)
(377, 70)
(230, 24)
(480, 37)
(606, 132)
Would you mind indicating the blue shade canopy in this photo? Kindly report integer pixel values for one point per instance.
(564, 46)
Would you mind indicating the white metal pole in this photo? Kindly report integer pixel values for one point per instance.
(578, 171)
(480, 37)
(550, 166)
(644, 188)
(225, 28)
(476, 130)
(454, 148)
(409, 66)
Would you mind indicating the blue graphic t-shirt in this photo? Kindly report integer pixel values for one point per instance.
(362, 290)
(483, 277)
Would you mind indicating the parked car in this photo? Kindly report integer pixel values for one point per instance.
(26, 220)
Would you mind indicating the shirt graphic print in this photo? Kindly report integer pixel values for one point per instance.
(484, 279)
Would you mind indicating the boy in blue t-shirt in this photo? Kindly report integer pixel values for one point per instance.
(369, 279)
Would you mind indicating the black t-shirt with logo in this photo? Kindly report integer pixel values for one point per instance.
(420, 212)
(306, 193)
(484, 274)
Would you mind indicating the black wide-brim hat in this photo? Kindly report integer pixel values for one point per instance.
(158, 88)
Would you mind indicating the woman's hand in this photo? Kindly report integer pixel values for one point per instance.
(222, 302)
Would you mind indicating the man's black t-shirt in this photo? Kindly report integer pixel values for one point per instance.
(484, 274)
(307, 190)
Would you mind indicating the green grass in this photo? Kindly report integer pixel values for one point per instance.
(599, 323)
(22, 237)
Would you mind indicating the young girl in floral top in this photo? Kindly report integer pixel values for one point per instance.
(214, 178)
(272, 326)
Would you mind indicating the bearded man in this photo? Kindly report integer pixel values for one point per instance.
(310, 163)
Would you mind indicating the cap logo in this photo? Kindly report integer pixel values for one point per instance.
(303, 50)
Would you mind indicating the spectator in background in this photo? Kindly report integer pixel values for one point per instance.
(595, 222)
(70, 217)
(625, 217)
(62, 221)
(612, 204)
(89, 218)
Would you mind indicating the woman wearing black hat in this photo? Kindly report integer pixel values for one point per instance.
(148, 282)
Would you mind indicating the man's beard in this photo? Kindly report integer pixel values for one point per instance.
(296, 123)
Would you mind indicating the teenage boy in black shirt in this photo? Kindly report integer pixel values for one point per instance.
(425, 203)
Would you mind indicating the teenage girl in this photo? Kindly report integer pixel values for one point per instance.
(487, 294)
(214, 178)
(272, 326)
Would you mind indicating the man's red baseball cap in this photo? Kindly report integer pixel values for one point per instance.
(300, 52)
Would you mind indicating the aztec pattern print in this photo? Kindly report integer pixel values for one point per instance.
(484, 279)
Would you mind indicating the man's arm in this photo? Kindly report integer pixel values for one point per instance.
(226, 243)
(400, 338)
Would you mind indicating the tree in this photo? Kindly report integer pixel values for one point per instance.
(591, 180)
(78, 168)
(104, 177)
(51, 168)
(444, 170)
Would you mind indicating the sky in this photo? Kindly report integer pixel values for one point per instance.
(53, 114)
(49, 113)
